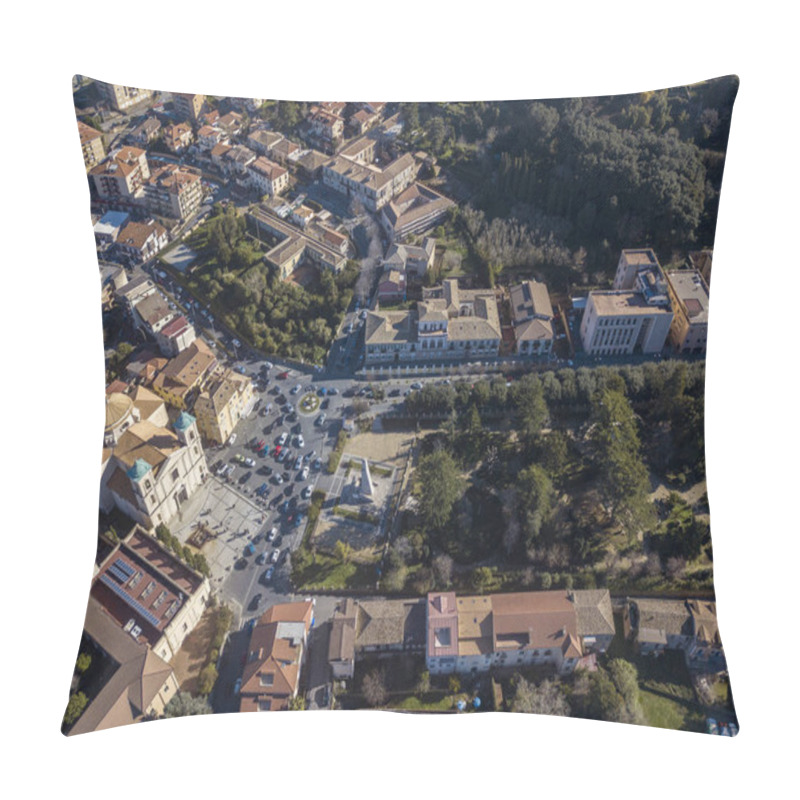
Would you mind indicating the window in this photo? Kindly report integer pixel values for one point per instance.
(149, 589)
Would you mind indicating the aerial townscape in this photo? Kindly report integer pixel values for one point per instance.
(404, 407)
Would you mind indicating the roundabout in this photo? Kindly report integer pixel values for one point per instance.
(308, 403)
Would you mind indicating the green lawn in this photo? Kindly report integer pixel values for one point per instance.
(432, 701)
(661, 712)
(327, 572)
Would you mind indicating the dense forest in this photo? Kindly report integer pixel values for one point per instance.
(586, 177)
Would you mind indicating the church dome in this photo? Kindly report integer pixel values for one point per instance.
(119, 408)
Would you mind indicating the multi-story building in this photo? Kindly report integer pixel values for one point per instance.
(392, 286)
(635, 316)
(178, 137)
(412, 260)
(656, 625)
(123, 97)
(138, 683)
(237, 159)
(122, 176)
(182, 378)
(124, 409)
(188, 106)
(140, 241)
(133, 291)
(145, 132)
(294, 246)
(476, 633)
(175, 337)
(415, 210)
(275, 657)
(91, 145)
(324, 127)
(701, 261)
(263, 141)
(108, 227)
(208, 138)
(449, 323)
(231, 123)
(174, 192)
(225, 398)
(372, 186)
(152, 313)
(267, 177)
(688, 293)
(378, 627)
(532, 317)
(152, 471)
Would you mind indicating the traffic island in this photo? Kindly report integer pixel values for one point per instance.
(309, 403)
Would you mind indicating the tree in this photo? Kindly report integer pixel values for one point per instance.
(297, 703)
(481, 578)
(374, 688)
(535, 493)
(546, 698)
(184, 705)
(83, 663)
(77, 703)
(443, 570)
(343, 551)
(424, 683)
(454, 684)
(208, 677)
(439, 485)
(624, 482)
(626, 679)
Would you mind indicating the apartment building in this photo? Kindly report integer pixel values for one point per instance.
(178, 137)
(140, 241)
(91, 145)
(145, 132)
(173, 192)
(176, 336)
(275, 657)
(122, 98)
(371, 185)
(182, 378)
(188, 106)
(688, 294)
(267, 177)
(226, 398)
(532, 317)
(122, 176)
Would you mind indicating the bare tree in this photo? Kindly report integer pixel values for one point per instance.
(374, 688)
(443, 570)
(543, 699)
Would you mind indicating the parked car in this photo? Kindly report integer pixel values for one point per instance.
(282, 438)
(274, 556)
(298, 462)
(262, 558)
(309, 455)
(416, 385)
(255, 602)
(231, 439)
(263, 489)
(273, 532)
(304, 473)
(317, 465)
(320, 420)
(248, 462)
(268, 573)
(306, 493)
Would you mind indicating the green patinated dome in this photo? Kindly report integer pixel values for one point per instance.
(184, 421)
(139, 469)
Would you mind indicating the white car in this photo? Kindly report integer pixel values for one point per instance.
(301, 442)
(272, 533)
(306, 493)
(248, 462)
(304, 473)
(276, 554)
(282, 439)
(231, 439)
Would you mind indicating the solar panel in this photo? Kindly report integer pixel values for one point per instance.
(123, 567)
(118, 573)
(137, 606)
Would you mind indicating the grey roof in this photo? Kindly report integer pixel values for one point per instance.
(593, 607)
(385, 327)
(661, 618)
(384, 623)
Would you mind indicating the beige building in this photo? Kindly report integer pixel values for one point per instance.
(126, 409)
(635, 316)
(91, 145)
(142, 240)
(371, 185)
(122, 176)
(123, 97)
(448, 323)
(176, 336)
(188, 106)
(263, 141)
(267, 177)
(416, 209)
(532, 317)
(174, 192)
(476, 633)
(688, 293)
(152, 470)
(178, 137)
(276, 653)
(226, 398)
(179, 382)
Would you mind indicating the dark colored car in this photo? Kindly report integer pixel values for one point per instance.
(256, 601)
